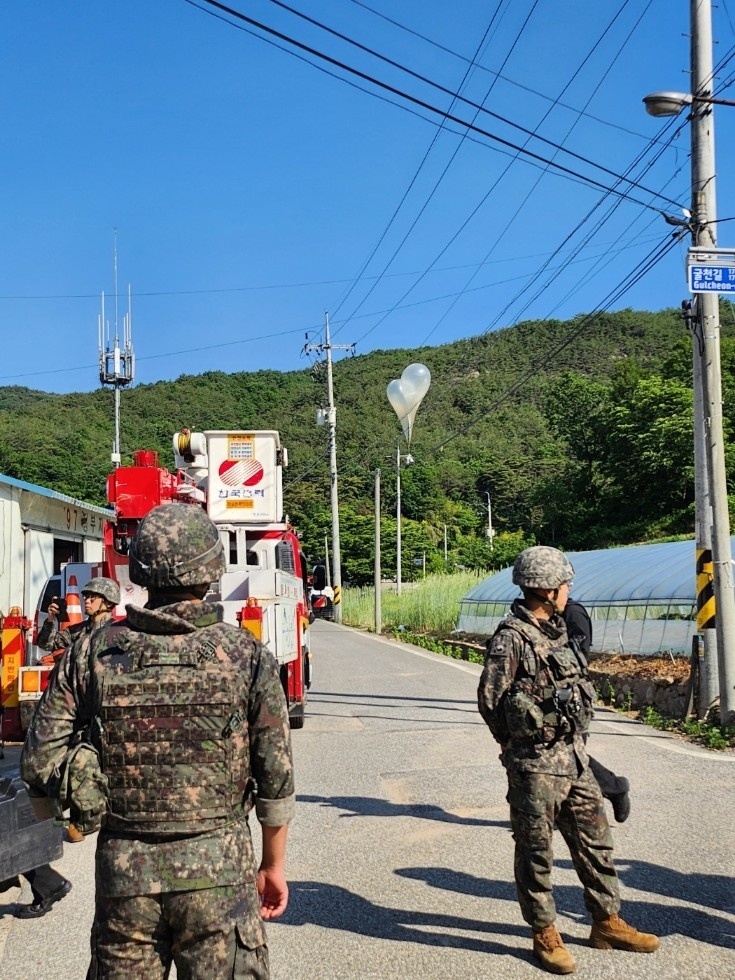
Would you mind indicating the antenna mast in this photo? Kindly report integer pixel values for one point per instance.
(117, 364)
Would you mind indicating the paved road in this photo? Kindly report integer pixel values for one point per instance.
(401, 857)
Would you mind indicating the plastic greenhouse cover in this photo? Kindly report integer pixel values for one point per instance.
(638, 574)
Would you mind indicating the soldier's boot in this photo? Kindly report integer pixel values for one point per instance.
(614, 933)
(621, 801)
(549, 949)
(73, 834)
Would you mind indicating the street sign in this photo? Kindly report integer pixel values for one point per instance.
(711, 270)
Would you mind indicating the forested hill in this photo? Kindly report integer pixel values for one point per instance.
(580, 431)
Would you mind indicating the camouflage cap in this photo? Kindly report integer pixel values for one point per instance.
(176, 545)
(542, 567)
(106, 587)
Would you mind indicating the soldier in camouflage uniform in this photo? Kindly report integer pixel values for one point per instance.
(187, 717)
(100, 596)
(536, 698)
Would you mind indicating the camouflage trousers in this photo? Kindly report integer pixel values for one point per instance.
(209, 935)
(538, 803)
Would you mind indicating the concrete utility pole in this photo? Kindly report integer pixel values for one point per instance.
(405, 394)
(378, 571)
(327, 347)
(406, 458)
(708, 688)
(398, 519)
(490, 532)
(706, 330)
(704, 217)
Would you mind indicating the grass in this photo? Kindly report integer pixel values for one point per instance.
(708, 733)
(429, 606)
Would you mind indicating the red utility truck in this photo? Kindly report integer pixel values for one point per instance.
(237, 477)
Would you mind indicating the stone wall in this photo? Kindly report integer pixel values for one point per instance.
(667, 695)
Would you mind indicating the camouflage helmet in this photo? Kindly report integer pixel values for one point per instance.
(176, 546)
(541, 567)
(105, 587)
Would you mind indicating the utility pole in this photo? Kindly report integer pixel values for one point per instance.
(707, 669)
(405, 395)
(378, 572)
(398, 519)
(704, 217)
(406, 458)
(705, 327)
(327, 347)
(490, 533)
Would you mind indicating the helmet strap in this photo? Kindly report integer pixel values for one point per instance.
(103, 611)
(545, 600)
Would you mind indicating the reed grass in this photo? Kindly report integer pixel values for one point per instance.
(430, 605)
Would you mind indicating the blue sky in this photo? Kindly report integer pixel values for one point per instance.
(252, 193)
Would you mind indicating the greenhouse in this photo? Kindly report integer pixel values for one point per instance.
(641, 598)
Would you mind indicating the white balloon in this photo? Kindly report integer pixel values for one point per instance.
(407, 393)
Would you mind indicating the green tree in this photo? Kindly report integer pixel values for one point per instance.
(650, 456)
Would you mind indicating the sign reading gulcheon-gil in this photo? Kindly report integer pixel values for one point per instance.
(711, 270)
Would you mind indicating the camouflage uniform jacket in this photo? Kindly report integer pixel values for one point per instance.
(140, 864)
(516, 659)
(51, 638)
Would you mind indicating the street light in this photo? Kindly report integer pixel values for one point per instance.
(671, 103)
(707, 375)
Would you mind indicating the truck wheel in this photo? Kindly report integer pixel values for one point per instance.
(297, 718)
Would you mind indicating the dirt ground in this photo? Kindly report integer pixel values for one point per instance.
(672, 669)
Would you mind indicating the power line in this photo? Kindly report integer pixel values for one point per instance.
(291, 285)
(415, 100)
(544, 267)
(285, 333)
(445, 90)
(400, 301)
(500, 75)
(613, 296)
(660, 150)
(152, 357)
(546, 115)
(437, 183)
(635, 275)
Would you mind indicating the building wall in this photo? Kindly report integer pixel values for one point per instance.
(32, 522)
(11, 550)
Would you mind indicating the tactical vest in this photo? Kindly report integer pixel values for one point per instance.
(551, 695)
(172, 735)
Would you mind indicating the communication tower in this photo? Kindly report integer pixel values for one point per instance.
(117, 363)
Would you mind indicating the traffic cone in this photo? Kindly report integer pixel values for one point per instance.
(74, 612)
